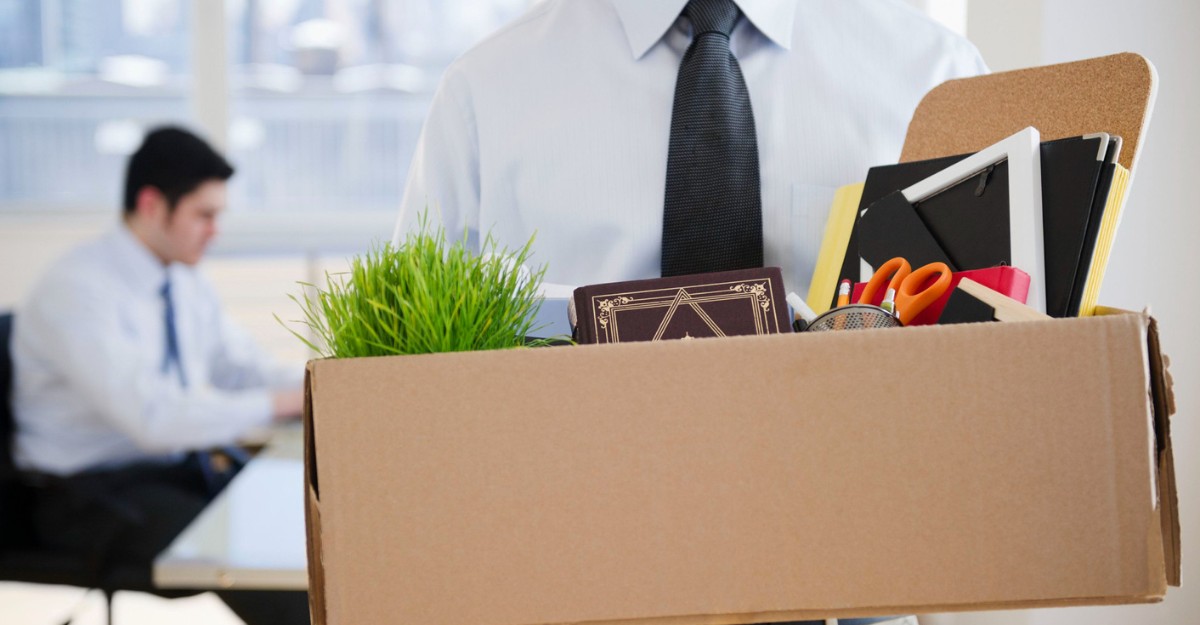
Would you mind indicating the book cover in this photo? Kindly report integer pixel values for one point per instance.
(728, 303)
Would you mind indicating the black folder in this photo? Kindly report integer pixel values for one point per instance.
(1092, 233)
(969, 221)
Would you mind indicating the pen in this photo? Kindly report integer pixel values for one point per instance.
(843, 293)
(803, 314)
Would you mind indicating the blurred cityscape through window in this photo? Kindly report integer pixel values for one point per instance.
(326, 97)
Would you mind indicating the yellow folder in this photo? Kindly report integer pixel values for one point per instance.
(1104, 241)
(838, 226)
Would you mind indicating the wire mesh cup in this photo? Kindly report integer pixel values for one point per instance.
(853, 317)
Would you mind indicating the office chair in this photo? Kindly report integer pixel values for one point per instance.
(22, 558)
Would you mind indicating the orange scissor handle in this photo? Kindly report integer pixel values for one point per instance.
(913, 296)
(897, 269)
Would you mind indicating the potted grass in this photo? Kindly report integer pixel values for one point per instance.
(424, 295)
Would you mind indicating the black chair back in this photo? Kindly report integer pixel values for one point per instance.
(22, 558)
(7, 426)
(16, 496)
(15, 526)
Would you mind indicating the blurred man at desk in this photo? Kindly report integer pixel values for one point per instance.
(640, 139)
(127, 370)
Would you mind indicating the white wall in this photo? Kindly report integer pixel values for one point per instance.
(1008, 33)
(1157, 239)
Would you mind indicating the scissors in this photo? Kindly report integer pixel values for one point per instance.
(912, 295)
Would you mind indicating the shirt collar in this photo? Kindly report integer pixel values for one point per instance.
(143, 270)
(645, 21)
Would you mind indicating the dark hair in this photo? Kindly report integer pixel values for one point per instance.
(175, 162)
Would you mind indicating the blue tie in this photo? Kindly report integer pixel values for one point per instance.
(212, 477)
(172, 338)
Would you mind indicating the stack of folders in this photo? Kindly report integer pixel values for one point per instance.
(1083, 192)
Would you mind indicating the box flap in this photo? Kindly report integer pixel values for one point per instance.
(724, 480)
(312, 509)
(1163, 395)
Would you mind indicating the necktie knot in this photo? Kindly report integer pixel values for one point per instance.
(712, 16)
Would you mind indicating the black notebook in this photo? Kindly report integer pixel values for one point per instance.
(1092, 233)
(969, 222)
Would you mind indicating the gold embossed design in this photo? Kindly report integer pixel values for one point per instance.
(759, 290)
(605, 307)
(758, 295)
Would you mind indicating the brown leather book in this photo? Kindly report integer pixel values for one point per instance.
(727, 303)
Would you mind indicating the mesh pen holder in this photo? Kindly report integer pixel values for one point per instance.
(853, 317)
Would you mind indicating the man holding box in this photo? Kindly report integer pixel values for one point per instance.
(640, 139)
(573, 121)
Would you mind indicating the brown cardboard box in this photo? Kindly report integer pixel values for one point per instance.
(745, 479)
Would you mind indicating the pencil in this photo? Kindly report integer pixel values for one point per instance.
(843, 293)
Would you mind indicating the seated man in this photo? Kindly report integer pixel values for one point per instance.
(127, 370)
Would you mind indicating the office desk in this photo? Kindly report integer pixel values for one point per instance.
(251, 537)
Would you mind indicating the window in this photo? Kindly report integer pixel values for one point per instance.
(328, 97)
(318, 103)
(78, 80)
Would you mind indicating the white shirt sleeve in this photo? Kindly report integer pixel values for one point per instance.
(236, 362)
(240, 364)
(78, 331)
(968, 62)
(444, 176)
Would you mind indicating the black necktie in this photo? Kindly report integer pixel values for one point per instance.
(712, 217)
(172, 338)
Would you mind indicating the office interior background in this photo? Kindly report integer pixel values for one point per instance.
(319, 104)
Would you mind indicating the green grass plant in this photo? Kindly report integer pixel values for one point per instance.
(425, 295)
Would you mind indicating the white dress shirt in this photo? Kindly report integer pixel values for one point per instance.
(88, 350)
(559, 123)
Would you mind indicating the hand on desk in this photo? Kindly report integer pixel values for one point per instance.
(287, 405)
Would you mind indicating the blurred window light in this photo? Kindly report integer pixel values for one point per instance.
(30, 81)
(119, 136)
(326, 97)
(246, 135)
(339, 90)
(147, 18)
(134, 70)
(80, 81)
(270, 77)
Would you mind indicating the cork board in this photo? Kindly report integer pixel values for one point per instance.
(1112, 94)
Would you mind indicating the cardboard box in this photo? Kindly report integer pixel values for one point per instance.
(746, 479)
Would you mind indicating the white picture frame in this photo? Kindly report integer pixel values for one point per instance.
(1023, 152)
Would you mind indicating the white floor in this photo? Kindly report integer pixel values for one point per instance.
(29, 604)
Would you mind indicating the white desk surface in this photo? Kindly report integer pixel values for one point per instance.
(251, 537)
